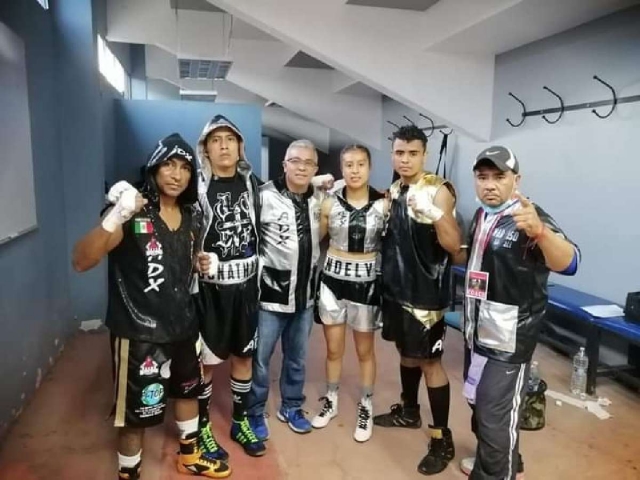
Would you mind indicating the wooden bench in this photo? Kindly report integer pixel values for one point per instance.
(569, 302)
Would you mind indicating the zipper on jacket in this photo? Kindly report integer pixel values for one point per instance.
(304, 254)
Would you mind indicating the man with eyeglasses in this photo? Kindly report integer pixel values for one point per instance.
(227, 301)
(289, 252)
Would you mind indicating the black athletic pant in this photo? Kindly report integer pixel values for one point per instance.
(496, 419)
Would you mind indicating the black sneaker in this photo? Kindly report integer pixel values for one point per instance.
(132, 473)
(399, 416)
(441, 452)
(520, 464)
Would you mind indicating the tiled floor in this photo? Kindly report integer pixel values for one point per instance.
(65, 434)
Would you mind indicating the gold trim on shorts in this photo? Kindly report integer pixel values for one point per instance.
(122, 367)
(426, 317)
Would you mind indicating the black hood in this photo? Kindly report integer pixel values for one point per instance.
(170, 147)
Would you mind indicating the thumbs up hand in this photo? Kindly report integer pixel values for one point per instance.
(527, 218)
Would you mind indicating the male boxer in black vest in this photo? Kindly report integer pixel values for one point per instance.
(149, 239)
(420, 238)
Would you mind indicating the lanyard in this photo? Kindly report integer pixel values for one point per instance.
(487, 238)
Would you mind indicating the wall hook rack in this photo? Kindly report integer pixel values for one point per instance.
(544, 117)
(615, 98)
(613, 102)
(432, 128)
(524, 112)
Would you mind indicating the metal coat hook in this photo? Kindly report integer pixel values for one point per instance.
(394, 124)
(524, 111)
(407, 118)
(615, 98)
(447, 133)
(433, 125)
(544, 117)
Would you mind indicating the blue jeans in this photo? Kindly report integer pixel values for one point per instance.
(294, 329)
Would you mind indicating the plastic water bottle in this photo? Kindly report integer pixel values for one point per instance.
(579, 375)
(534, 378)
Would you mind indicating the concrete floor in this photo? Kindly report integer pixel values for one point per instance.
(64, 434)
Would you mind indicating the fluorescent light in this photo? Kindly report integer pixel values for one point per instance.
(198, 92)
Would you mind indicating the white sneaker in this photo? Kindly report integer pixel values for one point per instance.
(466, 465)
(364, 425)
(329, 410)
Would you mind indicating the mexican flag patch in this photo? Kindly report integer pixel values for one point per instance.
(142, 226)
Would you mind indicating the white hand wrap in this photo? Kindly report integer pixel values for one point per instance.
(319, 181)
(423, 205)
(213, 264)
(122, 211)
(118, 189)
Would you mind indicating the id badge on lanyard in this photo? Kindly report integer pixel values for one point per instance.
(478, 281)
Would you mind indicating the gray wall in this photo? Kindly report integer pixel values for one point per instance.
(277, 150)
(161, 90)
(583, 170)
(138, 72)
(79, 121)
(41, 301)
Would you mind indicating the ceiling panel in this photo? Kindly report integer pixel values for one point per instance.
(198, 5)
(417, 5)
(245, 31)
(526, 22)
(359, 88)
(303, 60)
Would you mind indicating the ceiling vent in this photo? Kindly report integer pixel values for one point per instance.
(204, 69)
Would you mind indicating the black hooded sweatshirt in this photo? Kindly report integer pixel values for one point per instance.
(150, 271)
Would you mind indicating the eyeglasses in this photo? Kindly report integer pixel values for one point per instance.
(299, 162)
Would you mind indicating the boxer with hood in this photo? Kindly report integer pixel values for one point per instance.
(227, 298)
(149, 239)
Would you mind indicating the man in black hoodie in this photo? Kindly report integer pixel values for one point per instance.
(149, 239)
(227, 298)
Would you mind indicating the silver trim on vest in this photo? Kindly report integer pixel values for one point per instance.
(339, 227)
